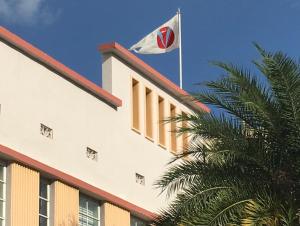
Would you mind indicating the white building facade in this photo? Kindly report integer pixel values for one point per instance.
(73, 153)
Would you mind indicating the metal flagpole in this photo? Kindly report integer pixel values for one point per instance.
(180, 50)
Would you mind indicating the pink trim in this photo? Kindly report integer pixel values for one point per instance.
(59, 67)
(59, 175)
(138, 63)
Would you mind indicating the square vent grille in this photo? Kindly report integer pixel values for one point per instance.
(46, 131)
(140, 179)
(91, 154)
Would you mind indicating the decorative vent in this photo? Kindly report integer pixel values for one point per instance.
(46, 131)
(91, 154)
(139, 179)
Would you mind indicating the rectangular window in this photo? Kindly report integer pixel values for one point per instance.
(173, 129)
(184, 135)
(162, 126)
(89, 211)
(135, 105)
(2, 194)
(44, 201)
(137, 222)
(149, 116)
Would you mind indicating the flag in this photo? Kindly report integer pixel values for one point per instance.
(163, 39)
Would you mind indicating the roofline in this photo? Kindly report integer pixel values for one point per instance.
(153, 74)
(70, 74)
(13, 155)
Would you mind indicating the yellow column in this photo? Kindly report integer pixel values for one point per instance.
(114, 216)
(22, 196)
(65, 205)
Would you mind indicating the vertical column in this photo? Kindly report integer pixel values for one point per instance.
(162, 126)
(167, 115)
(173, 134)
(149, 113)
(185, 136)
(65, 205)
(114, 216)
(23, 196)
(155, 118)
(179, 138)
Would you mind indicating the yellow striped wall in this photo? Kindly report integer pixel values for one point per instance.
(23, 202)
(114, 216)
(65, 205)
(22, 196)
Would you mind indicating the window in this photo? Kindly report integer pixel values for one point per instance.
(140, 179)
(135, 105)
(2, 194)
(89, 211)
(173, 129)
(137, 222)
(162, 127)
(44, 201)
(46, 131)
(91, 154)
(149, 116)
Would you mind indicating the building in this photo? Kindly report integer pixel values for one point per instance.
(73, 153)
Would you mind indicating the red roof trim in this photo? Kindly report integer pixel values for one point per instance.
(59, 175)
(138, 63)
(59, 67)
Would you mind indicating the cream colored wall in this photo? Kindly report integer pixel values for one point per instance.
(114, 216)
(120, 73)
(31, 94)
(65, 205)
(22, 196)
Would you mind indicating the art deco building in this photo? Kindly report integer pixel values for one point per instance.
(73, 153)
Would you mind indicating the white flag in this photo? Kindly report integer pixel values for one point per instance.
(163, 39)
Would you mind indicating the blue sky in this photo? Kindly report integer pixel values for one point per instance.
(224, 30)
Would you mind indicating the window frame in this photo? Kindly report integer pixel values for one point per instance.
(4, 183)
(45, 199)
(137, 220)
(86, 215)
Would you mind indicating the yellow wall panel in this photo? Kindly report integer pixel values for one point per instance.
(23, 196)
(114, 216)
(65, 206)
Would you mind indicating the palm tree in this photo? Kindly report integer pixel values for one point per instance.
(243, 164)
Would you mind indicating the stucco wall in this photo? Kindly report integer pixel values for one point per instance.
(31, 94)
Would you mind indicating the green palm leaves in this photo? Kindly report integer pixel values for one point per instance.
(244, 163)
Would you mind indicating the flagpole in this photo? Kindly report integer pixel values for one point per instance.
(180, 49)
